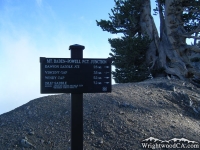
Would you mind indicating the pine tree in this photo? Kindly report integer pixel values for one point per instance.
(129, 59)
(167, 50)
(128, 52)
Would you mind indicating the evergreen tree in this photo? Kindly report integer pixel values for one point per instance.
(165, 51)
(129, 59)
(128, 52)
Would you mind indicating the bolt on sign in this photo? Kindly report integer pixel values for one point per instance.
(68, 75)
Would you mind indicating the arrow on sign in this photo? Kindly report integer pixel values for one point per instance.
(106, 72)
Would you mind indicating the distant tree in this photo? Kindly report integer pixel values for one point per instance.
(168, 50)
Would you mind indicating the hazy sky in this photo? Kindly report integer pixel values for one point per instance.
(45, 28)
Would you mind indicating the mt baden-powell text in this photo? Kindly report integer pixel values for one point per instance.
(75, 75)
(67, 75)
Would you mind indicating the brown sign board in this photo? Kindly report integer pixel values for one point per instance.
(70, 75)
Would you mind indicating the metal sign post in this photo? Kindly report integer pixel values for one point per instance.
(75, 75)
(76, 107)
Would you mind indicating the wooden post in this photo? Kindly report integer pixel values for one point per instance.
(76, 107)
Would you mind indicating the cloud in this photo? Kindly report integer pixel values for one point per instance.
(20, 52)
(20, 79)
(22, 44)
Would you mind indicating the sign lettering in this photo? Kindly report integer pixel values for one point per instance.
(66, 75)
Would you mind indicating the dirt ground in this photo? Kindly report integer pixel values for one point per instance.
(160, 108)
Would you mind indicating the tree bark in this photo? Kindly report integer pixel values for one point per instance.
(170, 50)
(148, 27)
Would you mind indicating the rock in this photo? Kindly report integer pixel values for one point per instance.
(107, 130)
(121, 112)
(31, 132)
(100, 141)
(42, 141)
(174, 89)
(126, 105)
(172, 126)
(92, 132)
(130, 120)
(26, 144)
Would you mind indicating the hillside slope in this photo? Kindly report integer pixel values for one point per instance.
(161, 108)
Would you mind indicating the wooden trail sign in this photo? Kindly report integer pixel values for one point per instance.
(68, 75)
(75, 75)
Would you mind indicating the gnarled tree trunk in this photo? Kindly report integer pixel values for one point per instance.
(170, 50)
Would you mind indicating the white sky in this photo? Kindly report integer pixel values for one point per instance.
(45, 28)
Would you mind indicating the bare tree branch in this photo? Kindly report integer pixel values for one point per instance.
(194, 48)
(194, 31)
(188, 36)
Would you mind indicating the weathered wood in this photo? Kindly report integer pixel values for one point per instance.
(170, 50)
